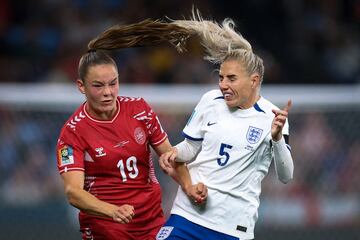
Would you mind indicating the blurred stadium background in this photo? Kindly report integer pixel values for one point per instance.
(311, 50)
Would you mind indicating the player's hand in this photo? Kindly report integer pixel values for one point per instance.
(198, 193)
(123, 214)
(279, 121)
(167, 161)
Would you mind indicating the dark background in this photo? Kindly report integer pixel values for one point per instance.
(301, 41)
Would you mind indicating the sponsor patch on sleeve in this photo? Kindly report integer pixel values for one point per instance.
(65, 155)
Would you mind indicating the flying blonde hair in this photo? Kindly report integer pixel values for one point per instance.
(221, 41)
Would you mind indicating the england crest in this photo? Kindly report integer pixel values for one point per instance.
(253, 135)
(164, 232)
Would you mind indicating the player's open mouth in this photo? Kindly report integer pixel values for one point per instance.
(227, 96)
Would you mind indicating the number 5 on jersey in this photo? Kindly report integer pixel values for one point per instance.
(222, 152)
(131, 168)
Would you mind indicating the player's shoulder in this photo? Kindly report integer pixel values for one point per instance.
(132, 104)
(211, 97)
(75, 120)
(131, 100)
(266, 106)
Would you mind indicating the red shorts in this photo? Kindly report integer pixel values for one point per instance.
(104, 229)
(146, 223)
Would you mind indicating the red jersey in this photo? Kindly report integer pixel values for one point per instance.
(115, 156)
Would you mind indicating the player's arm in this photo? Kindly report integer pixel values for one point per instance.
(173, 169)
(85, 201)
(178, 170)
(284, 164)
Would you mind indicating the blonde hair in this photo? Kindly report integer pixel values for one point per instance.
(222, 42)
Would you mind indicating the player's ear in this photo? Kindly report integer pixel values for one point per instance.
(80, 84)
(255, 80)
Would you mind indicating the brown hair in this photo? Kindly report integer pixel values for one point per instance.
(93, 58)
(145, 33)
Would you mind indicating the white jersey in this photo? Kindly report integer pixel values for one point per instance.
(235, 156)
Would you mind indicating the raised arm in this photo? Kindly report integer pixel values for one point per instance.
(284, 165)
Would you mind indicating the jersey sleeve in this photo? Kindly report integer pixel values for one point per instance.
(156, 133)
(69, 153)
(193, 129)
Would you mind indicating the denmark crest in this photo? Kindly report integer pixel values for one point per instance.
(139, 135)
(253, 135)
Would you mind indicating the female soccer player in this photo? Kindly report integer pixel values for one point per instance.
(104, 157)
(103, 151)
(230, 140)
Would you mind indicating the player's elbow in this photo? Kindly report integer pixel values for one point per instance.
(71, 194)
(285, 178)
(285, 170)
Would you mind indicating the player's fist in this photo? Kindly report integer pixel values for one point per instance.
(279, 121)
(124, 213)
(198, 193)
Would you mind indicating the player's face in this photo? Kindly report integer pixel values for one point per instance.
(237, 87)
(101, 87)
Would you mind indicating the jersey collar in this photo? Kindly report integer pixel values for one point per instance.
(103, 121)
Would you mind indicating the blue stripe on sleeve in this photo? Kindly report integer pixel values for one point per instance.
(191, 138)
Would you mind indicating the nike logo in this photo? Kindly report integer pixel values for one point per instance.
(211, 123)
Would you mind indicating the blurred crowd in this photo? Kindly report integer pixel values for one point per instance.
(301, 41)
